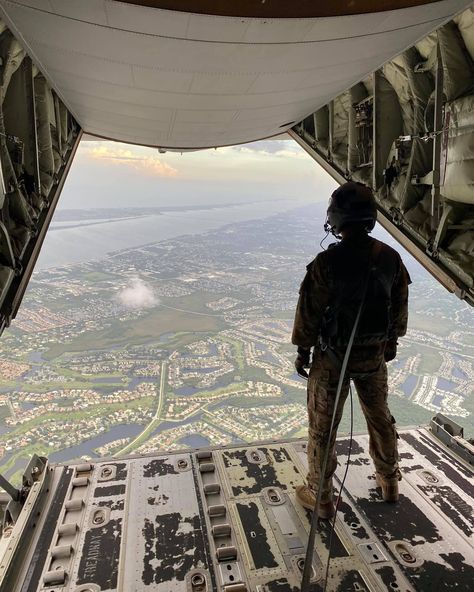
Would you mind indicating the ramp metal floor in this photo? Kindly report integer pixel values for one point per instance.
(227, 520)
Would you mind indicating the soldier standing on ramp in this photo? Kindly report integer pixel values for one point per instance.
(358, 268)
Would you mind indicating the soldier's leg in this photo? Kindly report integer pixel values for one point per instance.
(373, 391)
(322, 387)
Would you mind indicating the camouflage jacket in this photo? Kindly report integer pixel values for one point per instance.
(318, 289)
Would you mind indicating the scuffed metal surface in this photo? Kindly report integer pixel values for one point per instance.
(353, 521)
(165, 531)
(100, 556)
(404, 520)
(454, 470)
(109, 490)
(172, 548)
(387, 574)
(280, 585)
(158, 468)
(247, 478)
(256, 535)
(120, 471)
(118, 505)
(433, 519)
(452, 506)
(442, 576)
(165, 521)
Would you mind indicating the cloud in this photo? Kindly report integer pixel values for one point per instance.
(137, 295)
(268, 149)
(270, 169)
(287, 153)
(271, 146)
(145, 163)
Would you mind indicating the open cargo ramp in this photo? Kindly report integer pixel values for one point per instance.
(226, 520)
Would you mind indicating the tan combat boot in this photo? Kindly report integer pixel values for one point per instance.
(389, 487)
(307, 498)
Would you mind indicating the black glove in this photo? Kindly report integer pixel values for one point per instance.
(390, 352)
(302, 361)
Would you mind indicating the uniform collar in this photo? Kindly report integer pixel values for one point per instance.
(361, 238)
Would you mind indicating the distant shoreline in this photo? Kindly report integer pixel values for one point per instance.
(105, 231)
(132, 212)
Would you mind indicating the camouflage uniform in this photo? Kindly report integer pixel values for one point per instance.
(366, 366)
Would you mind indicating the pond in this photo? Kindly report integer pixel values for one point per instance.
(195, 441)
(107, 380)
(35, 357)
(27, 405)
(409, 385)
(446, 385)
(186, 391)
(86, 448)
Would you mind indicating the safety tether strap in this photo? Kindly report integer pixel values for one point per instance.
(305, 582)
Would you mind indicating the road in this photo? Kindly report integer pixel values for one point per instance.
(156, 419)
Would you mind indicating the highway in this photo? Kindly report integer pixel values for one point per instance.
(156, 419)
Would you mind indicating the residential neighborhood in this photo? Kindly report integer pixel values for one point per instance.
(187, 343)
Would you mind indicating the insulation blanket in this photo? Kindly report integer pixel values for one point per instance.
(459, 152)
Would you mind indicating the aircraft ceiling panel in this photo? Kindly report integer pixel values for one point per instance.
(108, 60)
(210, 116)
(221, 84)
(260, 104)
(151, 113)
(89, 10)
(149, 21)
(87, 67)
(139, 123)
(192, 26)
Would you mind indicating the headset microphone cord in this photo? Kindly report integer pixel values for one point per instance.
(305, 582)
(323, 239)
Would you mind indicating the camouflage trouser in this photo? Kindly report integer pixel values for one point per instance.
(369, 375)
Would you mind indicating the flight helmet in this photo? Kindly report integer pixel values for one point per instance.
(351, 204)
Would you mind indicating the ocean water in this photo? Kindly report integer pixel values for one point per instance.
(68, 244)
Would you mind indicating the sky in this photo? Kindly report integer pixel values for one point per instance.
(107, 174)
(111, 174)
